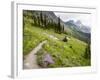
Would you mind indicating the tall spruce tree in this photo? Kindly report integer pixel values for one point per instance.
(41, 18)
(55, 27)
(34, 19)
(63, 28)
(38, 21)
(87, 53)
(59, 25)
(45, 21)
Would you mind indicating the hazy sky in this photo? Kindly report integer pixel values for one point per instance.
(84, 18)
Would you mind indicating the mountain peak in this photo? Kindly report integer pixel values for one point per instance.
(79, 23)
(79, 26)
(70, 21)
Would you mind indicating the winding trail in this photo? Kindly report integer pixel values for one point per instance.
(30, 61)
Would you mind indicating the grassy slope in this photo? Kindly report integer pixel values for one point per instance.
(64, 54)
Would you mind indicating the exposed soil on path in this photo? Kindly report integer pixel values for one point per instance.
(30, 61)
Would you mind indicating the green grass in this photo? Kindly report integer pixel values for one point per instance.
(64, 54)
(31, 39)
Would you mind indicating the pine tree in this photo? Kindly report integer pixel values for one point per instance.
(63, 28)
(34, 19)
(55, 27)
(59, 25)
(87, 54)
(41, 18)
(45, 21)
(51, 23)
(38, 21)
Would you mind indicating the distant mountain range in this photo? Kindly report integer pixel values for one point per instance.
(79, 26)
(79, 30)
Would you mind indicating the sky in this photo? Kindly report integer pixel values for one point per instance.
(84, 18)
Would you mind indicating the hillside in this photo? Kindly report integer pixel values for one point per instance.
(39, 26)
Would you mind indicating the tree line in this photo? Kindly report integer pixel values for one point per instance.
(44, 21)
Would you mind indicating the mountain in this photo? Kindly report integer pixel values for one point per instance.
(82, 27)
(79, 30)
(79, 26)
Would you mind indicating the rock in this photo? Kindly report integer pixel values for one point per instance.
(47, 60)
(65, 39)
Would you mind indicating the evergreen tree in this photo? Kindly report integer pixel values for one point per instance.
(45, 21)
(48, 24)
(87, 54)
(38, 21)
(51, 23)
(34, 19)
(63, 28)
(59, 25)
(55, 27)
(41, 18)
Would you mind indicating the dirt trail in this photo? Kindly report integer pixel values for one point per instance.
(30, 61)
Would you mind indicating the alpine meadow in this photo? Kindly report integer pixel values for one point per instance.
(55, 40)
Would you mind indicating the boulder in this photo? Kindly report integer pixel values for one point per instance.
(47, 60)
(65, 39)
